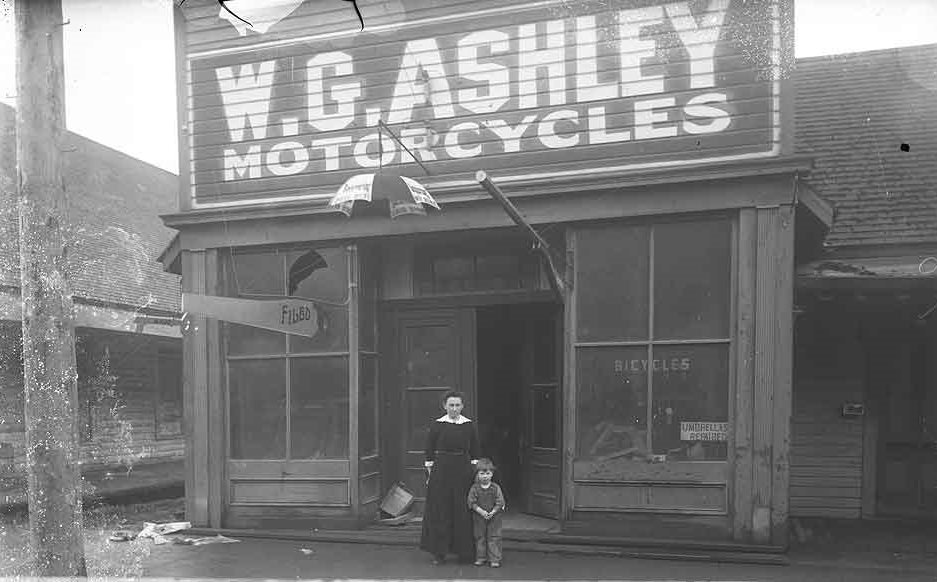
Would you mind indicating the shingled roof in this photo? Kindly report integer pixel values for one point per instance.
(854, 112)
(114, 203)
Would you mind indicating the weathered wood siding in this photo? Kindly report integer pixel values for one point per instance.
(826, 452)
(123, 427)
(290, 110)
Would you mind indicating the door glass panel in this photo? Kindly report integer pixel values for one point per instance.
(423, 407)
(319, 408)
(689, 415)
(544, 410)
(691, 280)
(612, 286)
(429, 359)
(257, 409)
(612, 403)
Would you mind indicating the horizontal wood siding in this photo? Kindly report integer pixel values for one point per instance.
(826, 452)
(292, 112)
(123, 427)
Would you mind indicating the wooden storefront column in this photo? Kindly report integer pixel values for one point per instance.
(203, 407)
(784, 378)
(742, 428)
(354, 367)
(568, 386)
(764, 394)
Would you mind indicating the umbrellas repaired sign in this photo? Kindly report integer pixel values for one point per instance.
(703, 431)
(289, 315)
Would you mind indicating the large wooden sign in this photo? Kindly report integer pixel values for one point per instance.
(524, 89)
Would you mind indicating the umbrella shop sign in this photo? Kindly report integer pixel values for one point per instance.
(615, 85)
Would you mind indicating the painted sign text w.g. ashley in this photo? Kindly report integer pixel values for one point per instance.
(522, 93)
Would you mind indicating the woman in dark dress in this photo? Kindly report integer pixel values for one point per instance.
(451, 451)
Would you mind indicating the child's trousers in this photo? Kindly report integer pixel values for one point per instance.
(487, 537)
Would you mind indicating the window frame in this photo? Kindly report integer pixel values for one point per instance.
(229, 289)
(730, 341)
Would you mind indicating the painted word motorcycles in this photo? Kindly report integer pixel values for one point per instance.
(546, 85)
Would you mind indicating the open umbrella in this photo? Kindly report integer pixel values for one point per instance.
(403, 195)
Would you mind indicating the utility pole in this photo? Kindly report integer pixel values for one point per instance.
(49, 374)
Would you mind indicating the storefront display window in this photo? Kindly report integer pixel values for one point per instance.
(289, 394)
(612, 284)
(319, 408)
(257, 394)
(653, 380)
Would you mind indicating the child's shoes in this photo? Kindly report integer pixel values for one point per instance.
(479, 562)
(496, 564)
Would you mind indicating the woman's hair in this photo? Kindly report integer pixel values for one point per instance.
(484, 464)
(453, 394)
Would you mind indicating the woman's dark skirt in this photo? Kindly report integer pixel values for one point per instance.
(447, 523)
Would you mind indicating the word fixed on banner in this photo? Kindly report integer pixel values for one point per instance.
(296, 316)
(642, 85)
(704, 431)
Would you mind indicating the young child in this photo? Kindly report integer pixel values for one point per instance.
(487, 503)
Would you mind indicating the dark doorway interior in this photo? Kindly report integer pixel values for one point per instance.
(500, 384)
(517, 397)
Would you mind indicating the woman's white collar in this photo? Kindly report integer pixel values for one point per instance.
(460, 420)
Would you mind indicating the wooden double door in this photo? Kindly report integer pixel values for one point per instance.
(506, 360)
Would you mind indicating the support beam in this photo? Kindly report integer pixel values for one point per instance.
(557, 282)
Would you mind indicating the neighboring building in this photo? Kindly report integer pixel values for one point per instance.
(128, 346)
(865, 385)
(653, 147)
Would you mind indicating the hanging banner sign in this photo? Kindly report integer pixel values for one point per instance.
(525, 89)
(296, 316)
(704, 431)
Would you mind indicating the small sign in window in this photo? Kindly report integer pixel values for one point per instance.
(703, 431)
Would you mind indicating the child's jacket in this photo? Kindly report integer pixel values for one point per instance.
(487, 499)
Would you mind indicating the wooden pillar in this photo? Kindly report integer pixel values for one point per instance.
(568, 386)
(784, 374)
(745, 359)
(195, 394)
(764, 372)
(48, 314)
(765, 369)
(217, 448)
(354, 367)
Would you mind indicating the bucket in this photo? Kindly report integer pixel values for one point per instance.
(397, 501)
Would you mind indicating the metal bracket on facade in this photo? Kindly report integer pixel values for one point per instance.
(557, 281)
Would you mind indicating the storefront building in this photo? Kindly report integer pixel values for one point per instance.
(649, 143)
